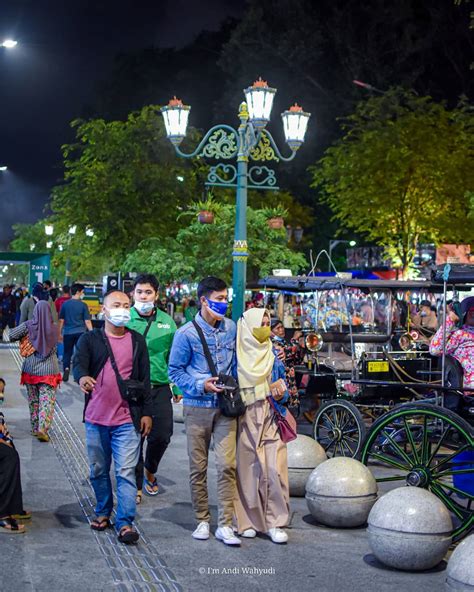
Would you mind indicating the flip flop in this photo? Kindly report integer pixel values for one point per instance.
(11, 526)
(149, 487)
(101, 524)
(25, 515)
(128, 535)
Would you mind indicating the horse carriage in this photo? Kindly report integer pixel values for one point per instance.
(380, 396)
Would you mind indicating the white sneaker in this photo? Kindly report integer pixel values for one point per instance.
(202, 531)
(278, 535)
(227, 536)
(250, 533)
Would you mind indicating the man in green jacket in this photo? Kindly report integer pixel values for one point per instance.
(158, 328)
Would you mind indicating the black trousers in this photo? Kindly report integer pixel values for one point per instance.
(11, 498)
(69, 344)
(7, 321)
(160, 434)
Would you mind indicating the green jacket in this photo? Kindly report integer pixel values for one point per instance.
(158, 339)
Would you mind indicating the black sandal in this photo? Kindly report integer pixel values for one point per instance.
(128, 535)
(101, 524)
(11, 526)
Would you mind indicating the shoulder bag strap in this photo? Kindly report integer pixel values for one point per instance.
(152, 318)
(112, 357)
(205, 347)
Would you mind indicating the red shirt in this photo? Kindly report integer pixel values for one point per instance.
(106, 406)
(59, 302)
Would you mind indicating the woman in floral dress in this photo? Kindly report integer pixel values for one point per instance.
(459, 341)
(40, 370)
(294, 355)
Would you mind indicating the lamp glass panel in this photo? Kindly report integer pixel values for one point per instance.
(260, 103)
(176, 121)
(295, 125)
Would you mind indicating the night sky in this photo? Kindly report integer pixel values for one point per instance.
(65, 51)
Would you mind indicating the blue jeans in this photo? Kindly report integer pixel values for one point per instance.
(122, 443)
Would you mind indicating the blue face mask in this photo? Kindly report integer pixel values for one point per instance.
(218, 308)
(277, 338)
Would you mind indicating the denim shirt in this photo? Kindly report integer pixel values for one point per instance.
(188, 367)
(278, 371)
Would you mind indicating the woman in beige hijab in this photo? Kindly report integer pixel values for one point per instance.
(262, 503)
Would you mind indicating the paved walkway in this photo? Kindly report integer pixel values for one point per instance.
(61, 553)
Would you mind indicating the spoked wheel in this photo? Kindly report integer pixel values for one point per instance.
(339, 428)
(426, 446)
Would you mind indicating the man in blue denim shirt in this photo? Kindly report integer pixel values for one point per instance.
(189, 370)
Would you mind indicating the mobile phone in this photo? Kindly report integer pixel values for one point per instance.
(225, 387)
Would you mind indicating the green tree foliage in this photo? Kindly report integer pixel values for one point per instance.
(85, 261)
(124, 186)
(29, 237)
(401, 173)
(205, 249)
(122, 180)
(312, 51)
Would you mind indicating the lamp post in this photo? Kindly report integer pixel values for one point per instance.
(251, 141)
(333, 244)
(67, 276)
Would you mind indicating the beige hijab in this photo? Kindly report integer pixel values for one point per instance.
(254, 359)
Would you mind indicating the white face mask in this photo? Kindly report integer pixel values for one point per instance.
(118, 316)
(144, 307)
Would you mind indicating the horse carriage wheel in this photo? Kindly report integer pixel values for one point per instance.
(421, 445)
(339, 428)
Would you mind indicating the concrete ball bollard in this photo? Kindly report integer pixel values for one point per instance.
(340, 492)
(460, 572)
(178, 410)
(409, 529)
(304, 455)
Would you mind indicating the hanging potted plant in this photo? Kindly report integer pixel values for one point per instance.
(275, 217)
(206, 209)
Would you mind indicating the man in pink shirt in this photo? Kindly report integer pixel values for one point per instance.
(113, 370)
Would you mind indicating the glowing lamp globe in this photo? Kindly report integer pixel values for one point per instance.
(259, 99)
(295, 123)
(175, 116)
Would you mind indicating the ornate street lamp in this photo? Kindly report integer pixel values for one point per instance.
(259, 99)
(295, 123)
(250, 142)
(176, 115)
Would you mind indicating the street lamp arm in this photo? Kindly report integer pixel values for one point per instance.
(221, 141)
(277, 151)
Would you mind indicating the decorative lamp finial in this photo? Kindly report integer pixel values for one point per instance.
(260, 83)
(296, 107)
(174, 102)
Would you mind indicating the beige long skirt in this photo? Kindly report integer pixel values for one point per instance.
(262, 471)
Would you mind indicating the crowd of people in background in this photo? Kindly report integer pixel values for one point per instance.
(130, 369)
(137, 362)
